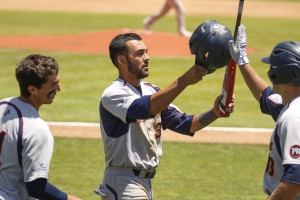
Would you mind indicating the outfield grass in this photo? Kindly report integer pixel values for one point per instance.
(187, 171)
(80, 95)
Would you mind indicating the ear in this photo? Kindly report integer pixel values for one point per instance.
(32, 90)
(121, 60)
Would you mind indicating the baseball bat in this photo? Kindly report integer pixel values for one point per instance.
(229, 77)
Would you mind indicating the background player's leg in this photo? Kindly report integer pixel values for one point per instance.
(150, 20)
(180, 19)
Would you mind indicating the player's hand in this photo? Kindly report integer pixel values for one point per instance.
(71, 197)
(238, 50)
(194, 75)
(216, 108)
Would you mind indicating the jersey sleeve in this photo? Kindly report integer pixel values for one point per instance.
(37, 151)
(175, 120)
(290, 137)
(117, 102)
(271, 103)
(290, 146)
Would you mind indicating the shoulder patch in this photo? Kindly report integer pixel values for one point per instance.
(276, 98)
(295, 151)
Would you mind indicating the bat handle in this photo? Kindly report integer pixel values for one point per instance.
(227, 89)
(222, 105)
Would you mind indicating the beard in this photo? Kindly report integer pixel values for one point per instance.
(139, 73)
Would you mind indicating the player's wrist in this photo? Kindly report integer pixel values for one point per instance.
(207, 117)
(182, 82)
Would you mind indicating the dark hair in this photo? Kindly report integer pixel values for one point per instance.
(34, 70)
(118, 45)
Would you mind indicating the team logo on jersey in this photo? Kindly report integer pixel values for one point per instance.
(295, 151)
(42, 166)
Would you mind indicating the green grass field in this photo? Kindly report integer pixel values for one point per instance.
(187, 171)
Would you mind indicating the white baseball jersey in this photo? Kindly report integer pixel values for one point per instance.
(135, 143)
(26, 146)
(284, 145)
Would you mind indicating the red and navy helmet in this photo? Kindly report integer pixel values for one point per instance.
(209, 43)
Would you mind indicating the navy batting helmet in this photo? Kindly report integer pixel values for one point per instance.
(209, 43)
(284, 63)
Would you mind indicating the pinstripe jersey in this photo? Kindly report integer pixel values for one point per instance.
(26, 148)
(135, 143)
(284, 145)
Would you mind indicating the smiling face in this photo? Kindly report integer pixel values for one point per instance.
(38, 79)
(47, 92)
(137, 59)
(44, 94)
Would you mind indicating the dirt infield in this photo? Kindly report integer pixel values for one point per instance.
(207, 135)
(98, 42)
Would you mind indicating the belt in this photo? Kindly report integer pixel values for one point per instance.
(128, 171)
(144, 173)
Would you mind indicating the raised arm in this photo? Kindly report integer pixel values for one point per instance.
(254, 82)
(238, 52)
(161, 100)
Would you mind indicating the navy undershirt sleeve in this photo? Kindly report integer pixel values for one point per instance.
(291, 174)
(42, 189)
(139, 108)
(267, 106)
(171, 117)
(177, 121)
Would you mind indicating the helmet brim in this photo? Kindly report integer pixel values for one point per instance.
(266, 60)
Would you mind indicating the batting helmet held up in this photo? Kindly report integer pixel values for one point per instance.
(284, 63)
(209, 43)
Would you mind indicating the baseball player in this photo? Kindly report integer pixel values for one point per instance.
(132, 116)
(282, 174)
(179, 8)
(26, 143)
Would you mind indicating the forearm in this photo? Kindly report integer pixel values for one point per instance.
(202, 120)
(42, 189)
(238, 52)
(162, 99)
(285, 191)
(254, 82)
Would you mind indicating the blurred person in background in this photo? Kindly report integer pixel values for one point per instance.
(179, 8)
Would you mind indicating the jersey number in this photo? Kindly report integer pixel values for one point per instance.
(270, 166)
(2, 136)
(158, 131)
